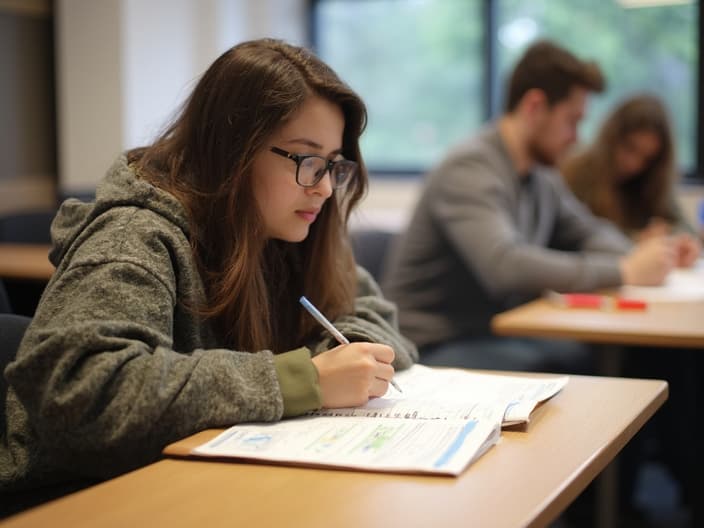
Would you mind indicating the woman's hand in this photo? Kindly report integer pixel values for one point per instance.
(649, 262)
(657, 227)
(351, 374)
(687, 250)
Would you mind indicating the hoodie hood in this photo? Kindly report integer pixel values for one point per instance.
(120, 188)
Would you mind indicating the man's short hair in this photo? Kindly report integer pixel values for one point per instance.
(553, 70)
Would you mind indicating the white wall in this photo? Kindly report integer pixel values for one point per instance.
(389, 204)
(124, 66)
(88, 90)
(158, 63)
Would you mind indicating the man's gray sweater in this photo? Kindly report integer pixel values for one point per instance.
(484, 238)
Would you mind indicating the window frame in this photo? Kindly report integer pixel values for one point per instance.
(492, 104)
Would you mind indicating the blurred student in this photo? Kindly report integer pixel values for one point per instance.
(628, 175)
(174, 306)
(496, 226)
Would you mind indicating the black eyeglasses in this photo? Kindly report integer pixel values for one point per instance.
(310, 169)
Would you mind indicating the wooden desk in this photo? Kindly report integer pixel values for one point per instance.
(25, 261)
(664, 324)
(528, 479)
(669, 324)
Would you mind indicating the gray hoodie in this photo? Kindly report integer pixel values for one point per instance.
(113, 367)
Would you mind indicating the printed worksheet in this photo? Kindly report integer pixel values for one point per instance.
(442, 421)
(383, 444)
(434, 393)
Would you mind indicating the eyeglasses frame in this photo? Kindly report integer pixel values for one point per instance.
(329, 166)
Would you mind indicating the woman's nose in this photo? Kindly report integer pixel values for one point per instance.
(324, 186)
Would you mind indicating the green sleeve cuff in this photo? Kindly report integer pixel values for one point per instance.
(298, 379)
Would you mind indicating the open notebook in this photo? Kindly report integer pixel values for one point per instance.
(443, 421)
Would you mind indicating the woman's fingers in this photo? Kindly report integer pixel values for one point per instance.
(378, 387)
(351, 374)
(382, 353)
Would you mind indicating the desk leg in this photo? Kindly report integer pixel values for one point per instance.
(607, 496)
(610, 360)
(695, 474)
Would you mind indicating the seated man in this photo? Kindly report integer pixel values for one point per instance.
(496, 227)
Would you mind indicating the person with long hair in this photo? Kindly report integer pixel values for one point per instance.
(628, 174)
(174, 305)
(495, 227)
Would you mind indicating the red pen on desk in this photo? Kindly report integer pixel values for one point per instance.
(594, 301)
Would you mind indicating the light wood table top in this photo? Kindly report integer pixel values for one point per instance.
(670, 324)
(25, 261)
(527, 479)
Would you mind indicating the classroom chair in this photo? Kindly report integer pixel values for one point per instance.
(5, 306)
(371, 249)
(12, 329)
(27, 227)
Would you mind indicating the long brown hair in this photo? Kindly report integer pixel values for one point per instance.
(591, 173)
(204, 158)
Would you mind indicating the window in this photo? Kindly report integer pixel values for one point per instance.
(418, 66)
(653, 49)
(423, 66)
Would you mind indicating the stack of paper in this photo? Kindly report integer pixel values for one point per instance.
(444, 420)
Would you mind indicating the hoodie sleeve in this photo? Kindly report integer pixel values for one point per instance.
(375, 320)
(97, 374)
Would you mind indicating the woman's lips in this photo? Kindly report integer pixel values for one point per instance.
(308, 215)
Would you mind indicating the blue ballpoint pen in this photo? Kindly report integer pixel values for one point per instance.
(331, 328)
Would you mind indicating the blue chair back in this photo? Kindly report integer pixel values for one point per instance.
(31, 227)
(371, 248)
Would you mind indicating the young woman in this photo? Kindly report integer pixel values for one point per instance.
(628, 174)
(174, 306)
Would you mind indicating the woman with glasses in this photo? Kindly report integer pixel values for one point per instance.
(174, 306)
(628, 175)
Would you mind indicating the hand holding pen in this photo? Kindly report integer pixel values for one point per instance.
(382, 354)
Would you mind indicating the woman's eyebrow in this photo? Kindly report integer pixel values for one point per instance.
(310, 143)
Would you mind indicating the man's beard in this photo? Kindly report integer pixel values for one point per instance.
(541, 155)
